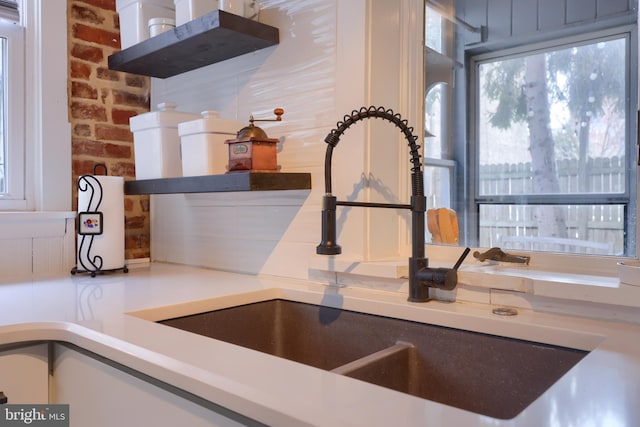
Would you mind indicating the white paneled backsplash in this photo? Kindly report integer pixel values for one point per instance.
(318, 73)
(226, 231)
(36, 244)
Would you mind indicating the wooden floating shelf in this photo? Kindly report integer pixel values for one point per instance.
(236, 181)
(211, 38)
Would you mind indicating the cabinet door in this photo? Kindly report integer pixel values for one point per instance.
(24, 375)
(100, 394)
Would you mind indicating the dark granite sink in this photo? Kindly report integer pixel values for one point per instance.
(486, 374)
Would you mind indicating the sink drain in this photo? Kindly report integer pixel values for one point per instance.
(505, 311)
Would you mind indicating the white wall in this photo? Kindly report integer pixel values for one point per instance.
(333, 57)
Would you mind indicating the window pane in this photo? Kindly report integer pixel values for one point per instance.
(433, 29)
(594, 229)
(433, 116)
(554, 122)
(437, 186)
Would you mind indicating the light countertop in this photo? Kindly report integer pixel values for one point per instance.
(112, 315)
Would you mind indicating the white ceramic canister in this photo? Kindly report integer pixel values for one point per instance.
(134, 18)
(202, 141)
(245, 8)
(156, 142)
(188, 10)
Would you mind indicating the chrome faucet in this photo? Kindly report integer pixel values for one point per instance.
(421, 276)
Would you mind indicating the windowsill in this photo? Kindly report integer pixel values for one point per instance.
(577, 287)
(483, 275)
(589, 295)
(35, 215)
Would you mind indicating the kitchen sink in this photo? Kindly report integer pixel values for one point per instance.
(486, 374)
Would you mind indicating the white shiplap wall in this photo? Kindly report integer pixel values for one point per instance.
(41, 244)
(333, 57)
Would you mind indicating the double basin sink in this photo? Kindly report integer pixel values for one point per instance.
(485, 374)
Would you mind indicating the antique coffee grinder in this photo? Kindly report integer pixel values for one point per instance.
(252, 150)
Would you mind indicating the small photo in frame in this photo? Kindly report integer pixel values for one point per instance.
(89, 223)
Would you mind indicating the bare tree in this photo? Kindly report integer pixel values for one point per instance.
(551, 220)
(520, 87)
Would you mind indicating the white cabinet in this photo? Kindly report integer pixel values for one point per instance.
(24, 374)
(101, 394)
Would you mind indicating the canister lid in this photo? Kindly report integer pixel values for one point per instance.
(209, 123)
(165, 117)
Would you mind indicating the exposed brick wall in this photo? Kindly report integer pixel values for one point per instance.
(101, 101)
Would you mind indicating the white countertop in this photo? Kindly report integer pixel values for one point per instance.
(92, 313)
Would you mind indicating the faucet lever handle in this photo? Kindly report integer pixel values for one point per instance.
(461, 259)
(497, 254)
(441, 277)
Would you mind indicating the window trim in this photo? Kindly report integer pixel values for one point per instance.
(14, 197)
(475, 200)
(47, 127)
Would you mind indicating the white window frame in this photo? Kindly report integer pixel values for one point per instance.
(546, 261)
(46, 167)
(14, 197)
(626, 198)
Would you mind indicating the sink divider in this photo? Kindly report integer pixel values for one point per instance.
(366, 361)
